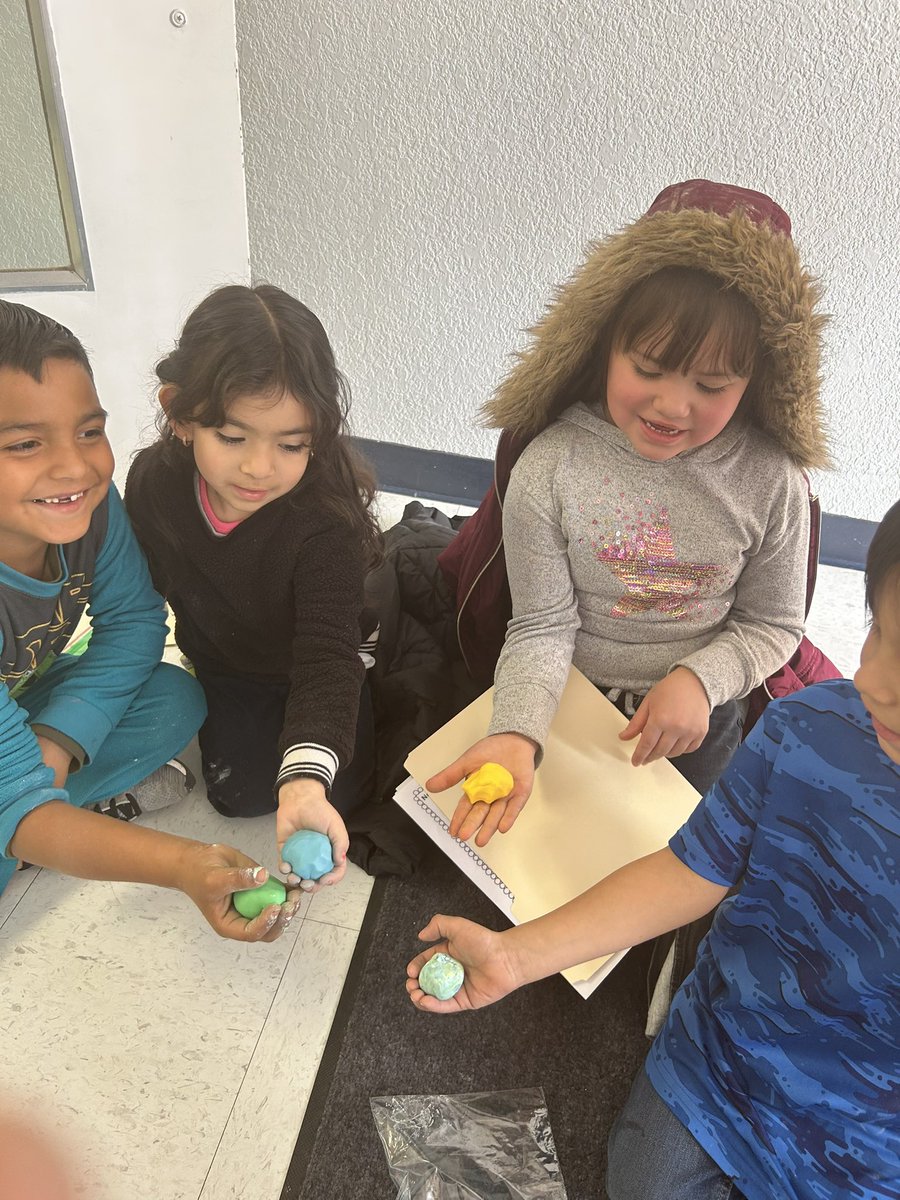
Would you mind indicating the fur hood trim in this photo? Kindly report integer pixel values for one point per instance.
(762, 264)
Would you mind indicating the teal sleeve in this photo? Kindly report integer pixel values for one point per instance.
(128, 622)
(26, 781)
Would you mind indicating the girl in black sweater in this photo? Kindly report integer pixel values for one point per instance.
(255, 515)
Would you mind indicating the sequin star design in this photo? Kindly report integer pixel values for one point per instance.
(642, 557)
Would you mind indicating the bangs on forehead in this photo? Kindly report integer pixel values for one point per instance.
(687, 320)
(268, 397)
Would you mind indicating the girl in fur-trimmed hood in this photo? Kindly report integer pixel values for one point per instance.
(656, 525)
(739, 236)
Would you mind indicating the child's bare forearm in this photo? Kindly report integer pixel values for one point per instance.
(77, 842)
(639, 901)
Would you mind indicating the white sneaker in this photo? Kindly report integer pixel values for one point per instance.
(163, 787)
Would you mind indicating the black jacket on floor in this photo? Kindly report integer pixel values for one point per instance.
(418, 682)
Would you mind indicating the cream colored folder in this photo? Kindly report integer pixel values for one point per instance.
(590, 811)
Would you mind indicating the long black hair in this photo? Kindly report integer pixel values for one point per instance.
(259, 341)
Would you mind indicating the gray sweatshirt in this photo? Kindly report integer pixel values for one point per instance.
(628, 568)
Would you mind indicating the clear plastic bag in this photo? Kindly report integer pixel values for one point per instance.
(478, 1146)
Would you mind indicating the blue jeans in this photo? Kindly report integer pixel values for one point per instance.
(653, 1157)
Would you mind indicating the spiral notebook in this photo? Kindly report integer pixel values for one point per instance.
(590, 811)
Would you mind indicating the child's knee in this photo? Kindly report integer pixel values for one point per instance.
(234, 790)
(180, 700)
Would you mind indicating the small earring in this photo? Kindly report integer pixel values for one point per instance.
(186, 440)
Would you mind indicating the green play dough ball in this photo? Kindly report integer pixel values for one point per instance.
(251, 902)
(442, 976)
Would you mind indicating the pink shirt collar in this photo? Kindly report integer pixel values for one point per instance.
(219, 526)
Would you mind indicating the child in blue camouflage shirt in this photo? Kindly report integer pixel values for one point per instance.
(777, 1072)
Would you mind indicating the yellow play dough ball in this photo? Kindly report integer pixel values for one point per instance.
(489, 783)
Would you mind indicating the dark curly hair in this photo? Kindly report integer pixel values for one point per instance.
(243, 341)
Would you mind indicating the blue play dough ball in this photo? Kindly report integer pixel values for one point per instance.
(442, 976)
(308, 853)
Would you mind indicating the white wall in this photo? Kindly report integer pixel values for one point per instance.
(154, 119)
(423, 173)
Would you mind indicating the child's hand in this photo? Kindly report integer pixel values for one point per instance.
(212, 874)
(511, 750)
(672, 719)
(302, 805)
(56, 758)
(489, 971)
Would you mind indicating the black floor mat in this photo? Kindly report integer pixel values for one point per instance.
(583, 1053)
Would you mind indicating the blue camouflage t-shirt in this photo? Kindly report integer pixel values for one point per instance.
(781, 1052)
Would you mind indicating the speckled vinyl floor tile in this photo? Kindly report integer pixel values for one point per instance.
(155, 1047)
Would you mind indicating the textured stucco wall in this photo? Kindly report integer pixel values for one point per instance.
(32, 233)
(424, 173)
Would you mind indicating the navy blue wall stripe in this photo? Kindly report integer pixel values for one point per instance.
(845, 541)
(458, 479)
(429, 474)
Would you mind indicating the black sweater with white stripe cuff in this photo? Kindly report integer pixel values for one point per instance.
(279, 598)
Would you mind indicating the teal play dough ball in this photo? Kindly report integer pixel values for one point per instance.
(442, 976)
(251, 902)
(308, 853)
